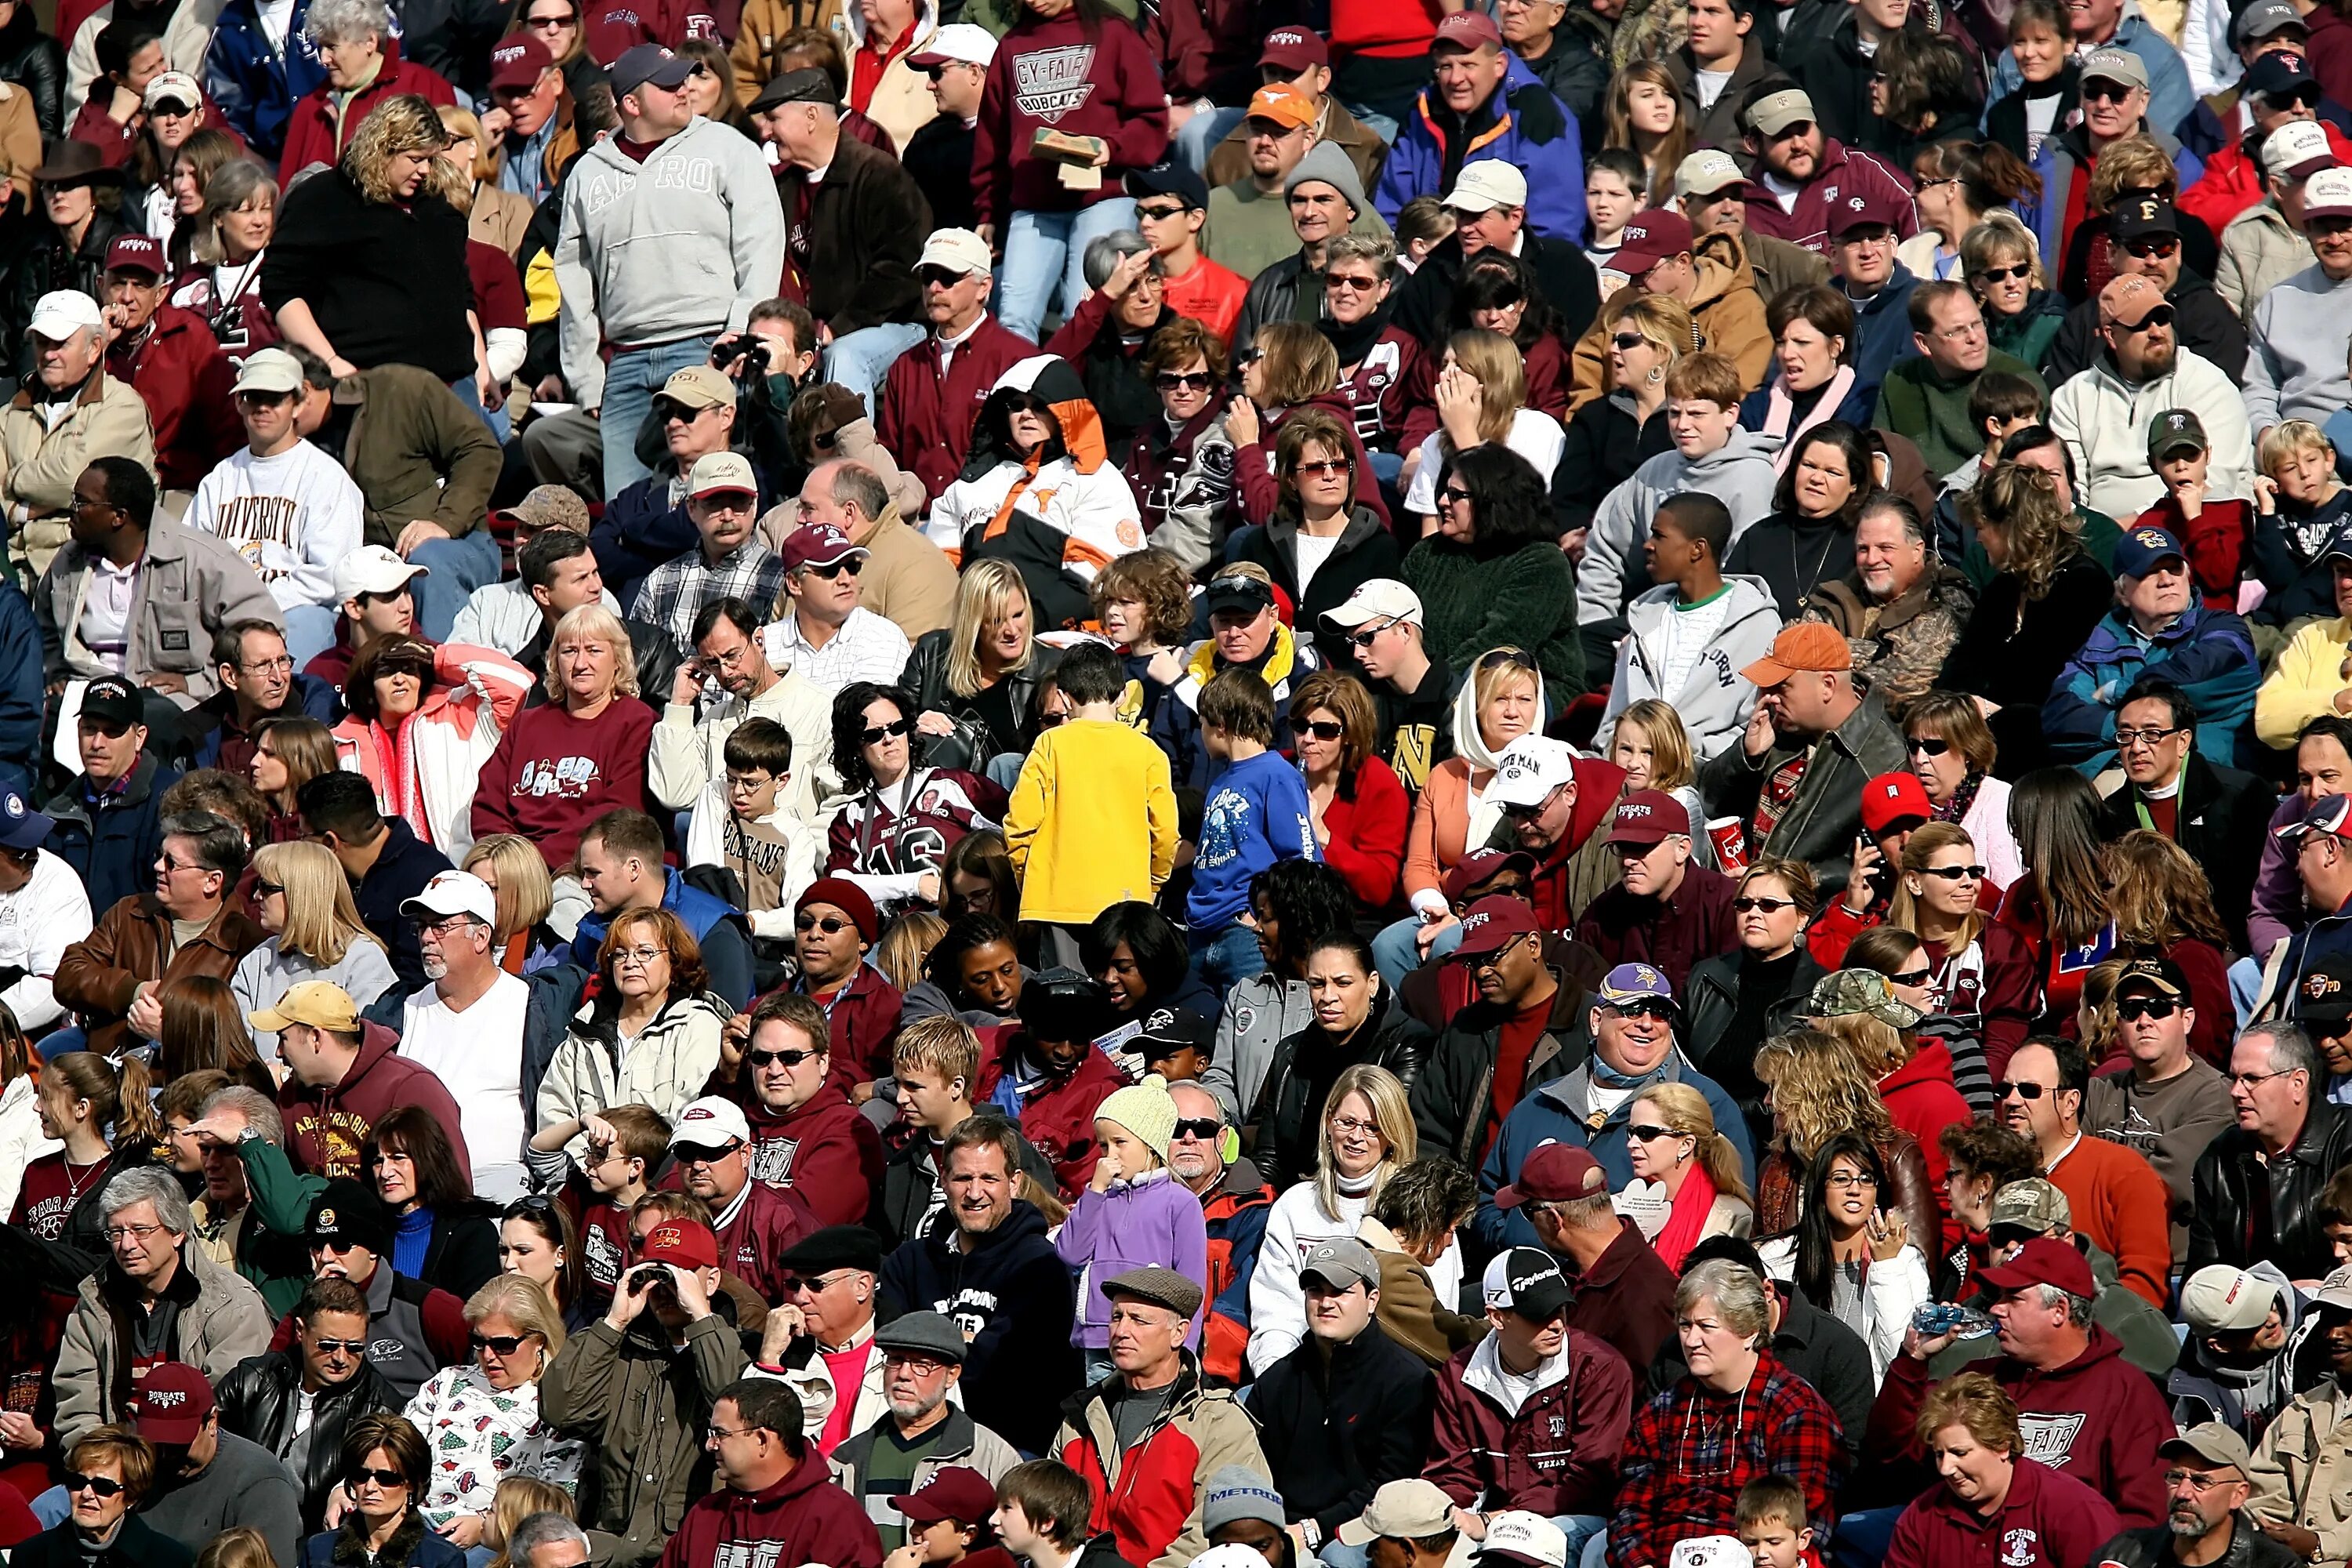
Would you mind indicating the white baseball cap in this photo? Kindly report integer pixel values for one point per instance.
(1711, 1551)
(62, 313)
(1530, 769)
(1516, 1536)
(708, 1122)
(2297, 149)
(958, 250)
(1706, 172)
(957, 43)
(454, 893)
(1377, 599)
(1487, 184)
(373, 569)
(269, 370)
(2327, 193)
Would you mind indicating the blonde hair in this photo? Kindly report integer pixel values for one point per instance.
(1686, 1111)
(2134, 163)
(463, 127)
(1664, 321)
(906, 943)
(1902, 907)
(1819, 1089)
(1996, 236)
(405, 124)
(2043, 533)
(940, 1044)
(323, 919)
(583, 622)
(239, 1546)
(525, 1303)
(985, 594)
(1671, 766)
(2290, 439)
(1876, 1043)
(526, 894)
(1391, 1113)
(1495, 363)
(515, 1499)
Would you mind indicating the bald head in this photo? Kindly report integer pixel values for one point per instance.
(1197, 1161)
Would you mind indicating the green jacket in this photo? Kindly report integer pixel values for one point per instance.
(1915, 400)
(415, 451)
(1472, 603)
(271, 1250)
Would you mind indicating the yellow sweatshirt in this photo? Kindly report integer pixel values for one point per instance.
(1092, 822)
(2302, 684)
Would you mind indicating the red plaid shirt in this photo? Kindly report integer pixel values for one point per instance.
(1691, 1449)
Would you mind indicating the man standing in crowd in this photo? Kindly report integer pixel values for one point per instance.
(775, 1499)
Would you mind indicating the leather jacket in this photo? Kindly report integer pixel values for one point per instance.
(926, 680)
(2247, 1212)
(1780, 1187)
(1288, 1109)
(654, 651)
(35, 62)
(257, 1401)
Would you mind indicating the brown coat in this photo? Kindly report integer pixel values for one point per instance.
(98, 975)
(761, 34)
(1780, 1185)
(1901, 647)
(1410, 1311)
(1724, 307)
(499, 217)
(1229, 159)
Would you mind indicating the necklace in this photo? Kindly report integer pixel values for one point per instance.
(75, 1189)
(1808, 582)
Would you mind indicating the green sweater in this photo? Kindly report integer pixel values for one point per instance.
(1527, 599)
(1915, 400)
(273, 1254)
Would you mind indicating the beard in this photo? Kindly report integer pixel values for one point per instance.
(916, 1409)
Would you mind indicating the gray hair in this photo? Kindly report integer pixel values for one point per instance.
(340, 21)
(2078, 1308)
(855, 484)
(1737, 1293)
(259, 1112)
(1888, 503)
(2291, 1049)
(1376, 250)
(147, 1185)
(546, 1528)
(1106, 251)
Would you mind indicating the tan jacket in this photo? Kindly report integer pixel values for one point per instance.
(1409, 1311)
(908, 580)
(500, 217)
(902, 103)
(109, 420)
(190, 586)
(1724, 308)
(2303, 1472)
(759, 36)
(20, 139)
(222, 1320)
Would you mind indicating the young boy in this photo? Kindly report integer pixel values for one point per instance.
(1171, 1041)
(948, 1524)
(1770, 1514)
(1257, 814)
(1043, 1508)
(625, 1144)
(2219, 533)
(741, 823)
(2000, 405)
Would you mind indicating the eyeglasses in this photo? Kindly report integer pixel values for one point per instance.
(1647, 1133)
(543, 24)
(1954, 873)
(2197, 1483)
(1200, 1128)
(639, 956)
(1927, 746)
(1648, 1008)
(713, 1434)
(390, 1480)
(2157, 316)
(1185, 380)
(1919, 976)
(702, 1153)
(282, 665)
(1363, 640)
(2133, 1008)
(115, 1232)
(1849, 1179)
(1355, 1124)
(104, 1485)
(2020, 273)
(497, 1345)
(873, 735)
(920, 1365)
(2147, 249)
(2025, 1092)
(267, 890)
(1321, 728)
(1769, 906)
(2127, 738)
(1325, 467)
(2251, 1078)
(339, 1347)
(832, 925)
(1627, 341)
(791, 1058)
(793, 1284)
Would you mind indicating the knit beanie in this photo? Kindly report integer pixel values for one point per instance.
(1145, 1109)
(1327, 163)
(848, 898)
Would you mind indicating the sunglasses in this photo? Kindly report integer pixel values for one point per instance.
(791, 1058)
(2136, 1007)
(832, 925)
(1645, 1008)
(2157, 316)
(1351, 282)
(1452, 495)
(1927, 746)
(2019, 273)
(939, 276)
(879, 733)
(389, 1480)
(1160, 215)
(2105, 92)
(1363, 640)
(1954, 873)
(2146, 248)
(1627, 341)
(501, 1344)
(1647, 1133)
(1327, 468)
(1919, 976)
(702, 1153)
(851, 566)
(1181, 381)
(267, 890)
(1769, 906)
(340, 1347)
(1203, 1128)
(104, 1485)
(2028, 1092)
(1321, 728)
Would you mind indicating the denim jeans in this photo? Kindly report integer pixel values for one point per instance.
(1228, 958)
(630, 382)
(1396, 953)
(454, 569)
(1192, 145)
(311, 629)
(1045, 254)
(862, 358)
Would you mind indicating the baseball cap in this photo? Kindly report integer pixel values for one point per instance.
(454, 893)
(2298, 149)
(1710, 1552)
(2328, 194)
(1294, 49)
(2323, 995)
(1492, 922)
(1859, 209)
(1776, 111)
(1807, 645)
(2212, 1442)
(1843, 993)
(110, 700)
(172, 87)
(171, 1404)
(1237, 591)
(1635, 983)
(957, 250)
(2218, 1298)
(710, 1122)
(1408, 1510)
(373, 568)
(1532, 1284)
(1171, 1028)
(62, 313)
(699, 386)
(1343, 1263)
(2328, 813)
(807, 85)
(957, 43)
(2335, 1291)
(722, 473)
(1554, 1173)
(2130, 299)
(520, 60)
(1376, 599)
(1515, 1535)
(1647, 818)
(959, 1492)
(1236, 1492)
(648, 63)
(2261, 20)
(2173, 429)
(1468, 29)
(2121, 67)
(547, 506)
(2031, 1203)
(21, 827)
(1892, 800)
(687, 1243)
(135, 253)
(1486, 184)
(2142, 550)
(2143, 215)
(1481, 866)
(2282, 73)
(316, 1004)
(1706, 172)
(1282, 104)
(273, 371)
(1170, 178)
(2045, 1260)
(817, 545)
(1658, 235)
(1530, 769)
(346, 1214)
(2157, 973)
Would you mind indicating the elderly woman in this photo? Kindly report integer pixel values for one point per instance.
(1991, 1491)
(109, 1473)
(304, 902)
(386, 1469)
(221, 282)
(1322, 544)
(1377, 358)
(1610, 436)
(286, 755)
(649, 1035)
(1493, 574)
(976, 681)
(1733, 1001)
(900, 819)
(1852, 1253)
(1819, 1090)
(558, 768)
(1809, 538)
(1737, 1414)
(1812, 379)
(445, 1236)
(1108, 337)
(482, 1422)
(1952, 755)
(2004, 271)
(424, 720)
(1687, 1171)
(362, 75)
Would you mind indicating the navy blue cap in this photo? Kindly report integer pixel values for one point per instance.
(21, 827)
(1170, 178)
(2278, 73)
(2138, 551)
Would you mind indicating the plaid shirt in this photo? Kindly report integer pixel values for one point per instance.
(867, 647)
(674, 593)
(1691, 1449)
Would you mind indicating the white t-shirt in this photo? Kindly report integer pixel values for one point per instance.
(106, 599)
(1688, 630)
(1535, 436)
(294, 518)
(1312, 553)
(1710, 86)
(477, 1056)
(1782, 191)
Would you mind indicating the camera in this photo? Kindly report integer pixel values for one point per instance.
(745, 355)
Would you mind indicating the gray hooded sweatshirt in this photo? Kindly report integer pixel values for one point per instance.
(1713, 699)
(1738, 474)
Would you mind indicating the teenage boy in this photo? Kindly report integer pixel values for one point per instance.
(1381, 623)
(742, 825)
(625, 1143)
(1257, 814)
(934, 1063)
(1689, 637)
(1171, 203)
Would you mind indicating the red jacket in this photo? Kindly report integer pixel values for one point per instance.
(1075, 77)
(1844, 172)
(2220, 542)
(2233, 183)
(615, 26)
(865, 1019)
(1367, 823)
(326, 1128)
(1546, 372)
(772, 1222)
(2048, 1520)
(1056, 1114)
(928, 417)
(2329, 53)
(815, 1521)
(316, 135)
(1147, 1496)
(185, 378)
(1695, 923)
(1921, 1098)
(1559, 1454)
(826, 1150)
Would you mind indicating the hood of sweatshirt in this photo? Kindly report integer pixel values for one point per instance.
(1721, 263)
(1745, 445)
(1467, 743)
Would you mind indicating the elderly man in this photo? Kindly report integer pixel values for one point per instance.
(532, 123)
(1235, 1204)
(158, 1287)
(1148, 1482)
(775, 1500)
(1489, 203)
(1663, 910)
(2107, 27)
(1711, 190)
(2144, 241)
(2300, 330)
(1485, 97)
(756, 1224)
(2258, 1186)
(208, 1479)
(548, 1540)
(907, 579)
(2159, 630)
(70, 413)
(2263, 246)
(170, 358)
(242, 1139)
(922, 1358)
(2030, 1207)
(829, 636)
(1795, 779)
(930, 391)
(2293, 1467)
(2114, 1194)
(729, 559)
(820, 1336)
(1926, 397)
(295, 1402)
(1798, 171)
(468, 1025)
(2217, 812)
(1249, 226)
(1901, 606)
(647, 523)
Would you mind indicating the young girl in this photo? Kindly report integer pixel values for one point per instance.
(1132, 1214)
(1651, 744)
(1981, 971)
(1644, 114)
(1614, 182)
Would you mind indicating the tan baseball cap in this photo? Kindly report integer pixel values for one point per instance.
(699, 386)
(321, 1004)
(1775, 113)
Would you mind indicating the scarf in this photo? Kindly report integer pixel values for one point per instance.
(1274, 665)
(1472, 748)
(1781, 411)
(1688, 1219)
(1353, 342)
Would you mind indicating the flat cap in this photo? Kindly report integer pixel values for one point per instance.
(923, 1334)
(834, 1247)
(1160, 1287)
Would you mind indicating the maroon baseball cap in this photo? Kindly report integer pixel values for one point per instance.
(1481, 865)
(1858, 208)
(1647, 818)
(1892, 799)
(1492, 922)
(1659, 235)
(136, 253)
(519, 61)
(1555, 1174)
(2045, 1260)
(817, 545)
(1294, 49)
(684, 1242)
(1467, 30)
(170, 1404)
(959, 1492)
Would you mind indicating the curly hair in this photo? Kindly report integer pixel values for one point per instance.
(1664, 321)
(1156, 580)
(406, 123)
(1819, 1089)
(2042, 533)
(2129, 166)
(2158, 894)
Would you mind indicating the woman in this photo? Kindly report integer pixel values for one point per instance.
(904, 953)
(1649, 742)
(537, 1243)
(2046, 100)
(424, 720)
(556, 25)
(2060, 906)
(1481, 393)
(494, 216)
(1859, 1007)
(1925, 90)
(1144, 605)
(1969, 1425)
(1107, 338)
(101, 1124)
(1356, 801)
(2163, 907)
(63, 245)
(204, 1030)
(2300, 506)
(445, 1236)
(1493, 575)
(34, 60)
(592, 711)
(1183, 500)
(1288, 367)
(1959, 184)
(1355, 1020)
(1689, 1167)
(171, 161)
(1610, 436)
(1292, 903)
(1896, 956)
(23, 1139)
(650, 1034)
(1980, 1157)
(2037, 610)
(711, 85)
(1812, 376)
(1982, 974)
(1733, 1001)
(975, 681)
(1820, 1091)
(304, 902)
(1952, 753)
(516, 1498)
(386, 1468)
(108, 1474)
(899, 817)
(286, 755)
(1644, 113)
(1379, 361)
(1852, 1254)
(221, 279)
(1141, 959)
(1497, 292)
(2003, 270)
(970, 971)
(1365, 1135)
(1809, 538)
(517, 879)
(1321, 544)
(2135, 166)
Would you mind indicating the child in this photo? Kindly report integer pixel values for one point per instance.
(740, 823)
(625, 1143)
(1770, 1514)
(1047, 1073)
(1171, 1043)
(948, 1522)
(1133, 1214)
(1257, 814)
(1613, 179)
(2218, 532)
(1422, 224)
(2000, 405)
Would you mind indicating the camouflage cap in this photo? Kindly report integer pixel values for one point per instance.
(1865, 991)
(2032, 1203)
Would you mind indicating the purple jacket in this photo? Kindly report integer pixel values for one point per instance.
(1155, 1223)
(2277, 910)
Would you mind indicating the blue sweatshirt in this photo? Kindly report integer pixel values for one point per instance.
(1256, 814)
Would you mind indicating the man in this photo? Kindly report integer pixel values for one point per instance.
(1659, 253)
(1410, 1524)
(993, 1271)
(2299, 333)
(466, 1024)
(384, 861)
(2258, 1184)
(1795, 779)
(241, 1140)
(2116, 27)
(1862, 238)
(907, 579)
(1902, 607)
(2290, 1459)
(256, 674)
(2322, 862)
(938, 155)
(136, 595)
(1477, 1069)
(186, 924)
(2093, 1415)
(829, 636)
(621, 277)
(413, 1329)
(921, 1354)
(1717, 68)
(1688, 637)
(820, 1337)
(1171, 203)
(2235, 1367)
(756, 1224)
(532, 120)
(728, 560)
(503, 614)
(1488, 200)
(559, 573)
(295, 1402)
(2114, 1196)
(1300, 57)
(1485, 97)
(548, 1540)
(1235, 1205)
(805, 1134)
(2277, 91)
(2263, 246)
(2158, 631)
(1926, 397)
(1663, 910)
(1624, 1295)
(2144, 241)
(1533, 1417)
(375, 598)
(863, 1009)
(647, 523)
(342, 1077)
(689, 756)
(69, 415)
(286, 507)
(934, 1063)
(933, 390)
(1248, 218)
(1324, 200)
(1632, 1026)
(1381, 621)
(44, 909)
(854, 224)
(110, 818)
(156, 1299)
(1148, 1477)
(207, 1479)
(777, 1499)
(2219, 815)
(2170, 1105)
(169, 357)
(2207, 1485)
(1711, 192)
(1798, 173)
(643, 1384)
(1348, 1410)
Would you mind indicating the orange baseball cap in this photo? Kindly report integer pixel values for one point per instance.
(1807, 645)
(1283, 104)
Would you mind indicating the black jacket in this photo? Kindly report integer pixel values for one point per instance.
(939, 158)
(137, 1545)
(857, 243)
(1606, 442)
(2224, 815)
(1338, 1422)
(2202, 324)
(2247, 1212)
(2005, 120)
(1424, 301)
(2011, 653)
(257, 1401)
(38, 262)
(1576, 68)
(925, 679)
(1366, 550)
(37, 62)
(1289, 1099)
(1794, 555)
(1821, 820)
(388, 283)
(401, 870)
(113, 848)
(2299, 588)
(463, 1254)
(909, 1180)
(1454, 1094)
(2155, 1548)
(1711, 1003)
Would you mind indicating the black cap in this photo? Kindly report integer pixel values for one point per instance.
(1170, 178)
(2157, 974)
(2323, 995)
(1063, 1005)
(834, 1247)
(1168, 1030)
(349, 1214)
(805, 86)
(2277, 74)
(1535, 1286)
(1239, 591)
(113, 700)
(2144, 212)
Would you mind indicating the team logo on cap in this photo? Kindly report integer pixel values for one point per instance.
(1891, 792)
(1286, 37)
(326, 1219)
(2176, 420)
(1472, 923)
(1634, 812)
(14, 806)
(2151, 539)
(2317, 987)
(1161, 1018)
(698, 1113)
(1855, 204)
(162, 1398)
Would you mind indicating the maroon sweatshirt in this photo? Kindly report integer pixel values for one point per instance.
(826, 1150)
(552, 775)
(772, 1222)
(1062, 75)
(326, 1128)
(929, 416)
(181, 374)
(815, 1521)
(2048, 1520)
